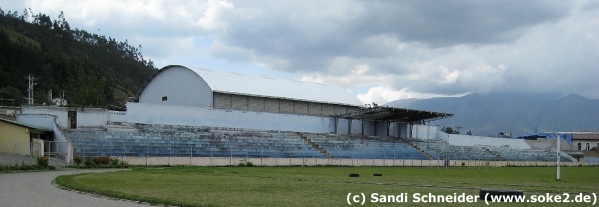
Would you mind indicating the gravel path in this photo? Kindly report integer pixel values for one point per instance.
(33, 189)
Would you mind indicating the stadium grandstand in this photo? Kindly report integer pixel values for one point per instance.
(191, 113)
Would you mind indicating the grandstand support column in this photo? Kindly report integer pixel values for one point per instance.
(349, 126)
(388, 126)
(362, 127)
(398, 130)
(335, 121)
(374, 123)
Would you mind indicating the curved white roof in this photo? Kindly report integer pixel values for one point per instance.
(255, 85)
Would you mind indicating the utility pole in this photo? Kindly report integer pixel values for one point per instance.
(62, 102)
(30, 84)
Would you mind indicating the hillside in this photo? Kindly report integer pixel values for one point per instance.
(519, 113)
(92, 70)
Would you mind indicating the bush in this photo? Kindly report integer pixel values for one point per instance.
(246, 164)
(89, 162)
(42, 161)
(78, 160)
(114, 161)
(102, 160)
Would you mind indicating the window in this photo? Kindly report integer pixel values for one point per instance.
(164, 98)
(588, 146)
(579, 146)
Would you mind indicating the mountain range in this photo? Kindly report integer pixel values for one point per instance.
(517, 113)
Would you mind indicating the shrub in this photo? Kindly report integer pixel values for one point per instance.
(89, 162)
(114, 161)
(246, 164)
(42, 161)
(102, 160)
(78, 160)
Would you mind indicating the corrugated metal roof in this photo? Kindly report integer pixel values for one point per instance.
(254, 85)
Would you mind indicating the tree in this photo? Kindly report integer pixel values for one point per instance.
(469, 132)
(72, 60)
(448, 130)
(8, 92)
(89, 89)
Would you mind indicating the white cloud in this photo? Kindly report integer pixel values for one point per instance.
(214, 14)
(382, 95)
(398, 49)
(356, 77)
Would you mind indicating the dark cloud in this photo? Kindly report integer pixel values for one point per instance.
(445, 23)
(308, 40)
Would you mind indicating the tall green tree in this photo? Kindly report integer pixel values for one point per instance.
(11, 96)
(67, 59)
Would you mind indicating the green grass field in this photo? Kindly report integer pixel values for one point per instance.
(327, 186)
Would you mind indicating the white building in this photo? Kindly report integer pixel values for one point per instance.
(181, 86)
(178, 95)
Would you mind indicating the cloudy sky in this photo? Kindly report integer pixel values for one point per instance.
(380, 50)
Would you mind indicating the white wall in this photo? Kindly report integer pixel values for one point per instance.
(467, 140)
(90, 117)
(117, 116)
(195, 116)
(40, 120)
(86, 117)
(424, 131)
(59, 112)
(433, 132)
(50, 122)
(181, 86)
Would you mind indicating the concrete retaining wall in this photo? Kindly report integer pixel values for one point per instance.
(232, 161)
(467, 140)
(86, 117)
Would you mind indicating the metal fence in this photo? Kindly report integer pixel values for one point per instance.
(211, 155)
(26, 153)
(123, 150)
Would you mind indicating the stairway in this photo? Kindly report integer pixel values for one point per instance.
(418, 149)
(494, 154)
(316, 146)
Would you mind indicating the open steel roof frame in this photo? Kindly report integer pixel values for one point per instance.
(392, 114)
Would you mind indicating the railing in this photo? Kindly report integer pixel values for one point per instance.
(26, 153)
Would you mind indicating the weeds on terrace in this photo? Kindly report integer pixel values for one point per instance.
(24, 167)
(42, 161)
(99, 162)
(246, 164)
